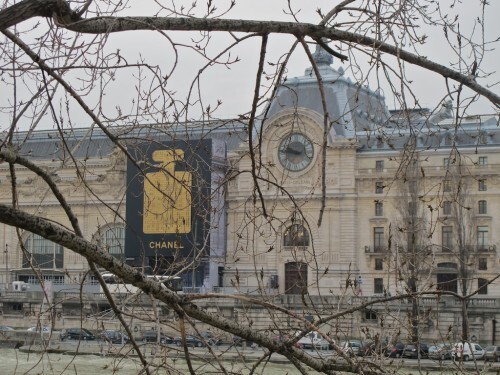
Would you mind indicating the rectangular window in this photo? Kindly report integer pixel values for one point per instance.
(412, 208)
(412, 185)
(482, 264)
(379, 187)
(447, 238)
(482, 238)
(483, 207)
(379, 209)
(379, 264)
(378, 285)
(482, 161)
(379, 165)
(378, 239)
(482, 286)
(446, 185)
(370, 315)
(446, 162)
(446, 208)
(482, 185)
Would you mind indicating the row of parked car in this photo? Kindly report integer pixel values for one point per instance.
(112, 336)
(205, 338)
(313, 340)
(456, 351)
(119, 337)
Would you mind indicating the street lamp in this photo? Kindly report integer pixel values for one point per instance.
(6, 252)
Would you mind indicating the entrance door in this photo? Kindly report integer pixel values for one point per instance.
(295, 278)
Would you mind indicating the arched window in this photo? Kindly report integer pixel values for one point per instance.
(296, 235)
(42, 253)
(113, 240)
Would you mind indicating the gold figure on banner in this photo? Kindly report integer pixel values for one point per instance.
(167, 196)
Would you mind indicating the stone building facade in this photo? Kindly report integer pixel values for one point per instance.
(387, 187)
(366, 203)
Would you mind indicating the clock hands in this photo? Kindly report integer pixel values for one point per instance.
(292, 150)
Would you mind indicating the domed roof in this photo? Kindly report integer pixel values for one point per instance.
(349, 105)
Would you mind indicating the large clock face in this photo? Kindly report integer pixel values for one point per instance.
(295, 152)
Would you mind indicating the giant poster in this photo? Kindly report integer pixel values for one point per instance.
(168, 201)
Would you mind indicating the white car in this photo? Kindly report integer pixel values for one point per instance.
(466, 351)
(43, 329)
(314, 340)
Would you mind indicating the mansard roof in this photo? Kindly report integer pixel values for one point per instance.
(472, 131)
(360, 114)
(92, 142)
(349, 105)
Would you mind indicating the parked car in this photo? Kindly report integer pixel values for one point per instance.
(395, 351)
(155, 336)
(239, 341)
(415, 351)
(210, 338)
(440, 352)
(115, 337)
(190, 341)
(76, 334)
(466, 351)
(43, 329)
(314, 340)
(359, 348)
(375, 347)
(492, 353)
(6, 328)
(351, 347)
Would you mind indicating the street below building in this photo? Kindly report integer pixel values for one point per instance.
(86, 358)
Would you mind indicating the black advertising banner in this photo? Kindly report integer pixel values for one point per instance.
(168, 201)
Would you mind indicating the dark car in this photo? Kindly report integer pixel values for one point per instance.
(155, 336)
(115, 337)
(210, 338)
(395, 351)
(76, 334)
(440, 352)
(492, 353)
(240, 341)
(190, 341)
(358, 347)
(415, 351)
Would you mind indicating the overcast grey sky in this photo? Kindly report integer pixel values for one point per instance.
(234, 86)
